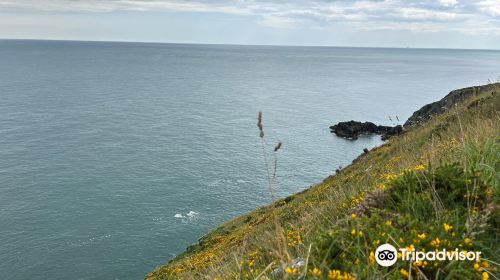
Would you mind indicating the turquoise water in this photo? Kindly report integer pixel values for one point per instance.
(103, 144)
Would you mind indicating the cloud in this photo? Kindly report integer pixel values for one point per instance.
(423, 15)
(106, 6)
(491, 7)
(278, 22)
(419, 14)
(448, 3)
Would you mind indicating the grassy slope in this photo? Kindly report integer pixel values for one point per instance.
(317, 227)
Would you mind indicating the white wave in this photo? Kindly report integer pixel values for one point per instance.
(242, 181)
(192, 214)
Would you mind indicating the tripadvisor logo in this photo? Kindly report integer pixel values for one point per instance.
(387, 255)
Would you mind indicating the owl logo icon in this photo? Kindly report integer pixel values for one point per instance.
(386, 255)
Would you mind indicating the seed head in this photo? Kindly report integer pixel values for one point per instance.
(277, 147)
(259, 125)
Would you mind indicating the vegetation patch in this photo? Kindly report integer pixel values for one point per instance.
(434, 187)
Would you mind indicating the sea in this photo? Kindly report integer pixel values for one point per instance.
(114, 157)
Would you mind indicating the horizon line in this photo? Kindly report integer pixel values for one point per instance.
(243, 45)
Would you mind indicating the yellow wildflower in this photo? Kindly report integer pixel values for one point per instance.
(353, 216)
(420, 167)
(389, 177)
(403, 272)
(315, 272)
(447, 227)
(371, 258)
(348, 276)
(334, 274)
(410, 248)
(293, 238)
(477, 267)
(338, 275)
(485, 276)
(353, 232)
(468, 241)
(436, 242)
(291, 270)
(422, 236)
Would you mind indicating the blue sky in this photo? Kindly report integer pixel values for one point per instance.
(375, 23)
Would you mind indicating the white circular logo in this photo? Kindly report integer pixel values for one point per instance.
(386, 255)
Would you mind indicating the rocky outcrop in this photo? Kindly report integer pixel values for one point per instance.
(352, 129)
(395, 130)
(453, 98)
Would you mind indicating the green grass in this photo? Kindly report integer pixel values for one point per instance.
(404, 192)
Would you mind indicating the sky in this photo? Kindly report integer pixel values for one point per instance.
(368, 23)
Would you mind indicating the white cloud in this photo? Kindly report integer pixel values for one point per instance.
(124, 5)
(448, 3)
(423, 15)
(278, 22)
(491, 7)
(407, 26)
(419, 14)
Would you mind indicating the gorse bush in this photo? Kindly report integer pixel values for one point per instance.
(483, 158)
(427, 193)
(408, 217)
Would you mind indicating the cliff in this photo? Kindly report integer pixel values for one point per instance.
(436, 186)
(454, 98)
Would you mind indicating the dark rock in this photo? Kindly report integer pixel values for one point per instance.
(338, 169)
(352, 129)
(453, 98)
(396, 130)
(365, 150)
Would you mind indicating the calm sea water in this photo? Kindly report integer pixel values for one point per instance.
(103, 144)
